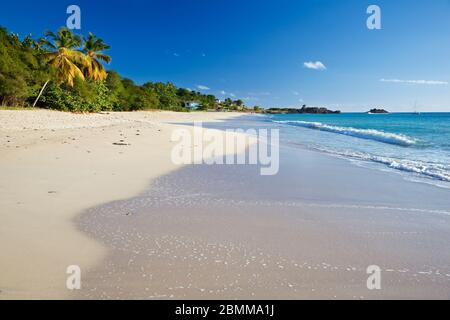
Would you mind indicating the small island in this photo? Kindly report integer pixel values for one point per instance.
(303, 110)
(378, 111)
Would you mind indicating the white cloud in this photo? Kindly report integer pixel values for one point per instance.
(295, 93)
(427, 82)
(224, 93)
(315, 65)
(202, 87)
(176, 54)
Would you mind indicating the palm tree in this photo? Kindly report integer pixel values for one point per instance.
(63, 56)
(39, 45)
(92, 66)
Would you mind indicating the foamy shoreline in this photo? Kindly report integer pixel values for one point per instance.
(100, 191)
(54, 165)
(309, 232)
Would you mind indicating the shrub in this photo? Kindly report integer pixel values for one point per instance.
(83, 97)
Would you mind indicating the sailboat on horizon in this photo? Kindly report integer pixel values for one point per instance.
(416, 109)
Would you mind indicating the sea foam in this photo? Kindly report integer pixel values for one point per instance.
(427, 169)
(370, 134)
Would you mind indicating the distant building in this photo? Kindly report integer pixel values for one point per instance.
(191, 105)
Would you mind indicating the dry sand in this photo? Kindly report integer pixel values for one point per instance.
(54, 165)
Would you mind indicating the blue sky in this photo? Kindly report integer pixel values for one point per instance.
(256, 50)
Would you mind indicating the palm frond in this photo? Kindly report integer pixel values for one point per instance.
(103, 57)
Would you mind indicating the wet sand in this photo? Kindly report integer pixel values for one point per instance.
(225, 232)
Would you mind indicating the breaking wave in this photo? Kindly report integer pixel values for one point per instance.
(431, 170)
(370, 134)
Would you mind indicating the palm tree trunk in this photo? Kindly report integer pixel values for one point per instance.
(40, 93)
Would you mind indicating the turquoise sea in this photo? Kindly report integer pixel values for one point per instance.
(416, 145)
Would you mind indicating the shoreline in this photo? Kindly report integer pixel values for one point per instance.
(419, 154)
(223, 232)
(148, 229)
(54, 166)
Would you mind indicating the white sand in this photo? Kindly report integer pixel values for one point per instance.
(54, 165)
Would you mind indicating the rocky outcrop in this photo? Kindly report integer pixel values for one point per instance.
(377, 111)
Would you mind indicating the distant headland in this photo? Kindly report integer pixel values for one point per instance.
(303, 110)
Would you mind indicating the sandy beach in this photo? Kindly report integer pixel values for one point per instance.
(53, 166)
(142, 228)
(310, 232)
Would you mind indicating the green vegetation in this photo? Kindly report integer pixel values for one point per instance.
(66, 72)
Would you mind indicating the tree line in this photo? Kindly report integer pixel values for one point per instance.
(65, 71)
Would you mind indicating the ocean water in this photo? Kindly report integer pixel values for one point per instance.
(415, 145)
